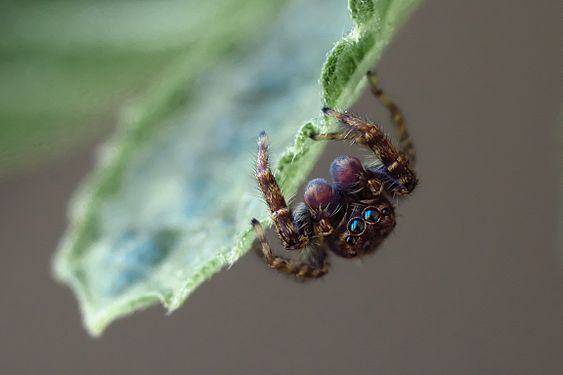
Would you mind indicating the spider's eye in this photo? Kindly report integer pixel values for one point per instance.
(371, 215)
(350, 240)
(356, 226)
(386, 211)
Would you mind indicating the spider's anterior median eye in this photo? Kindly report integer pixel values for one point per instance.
(371, 215)
(356, 226)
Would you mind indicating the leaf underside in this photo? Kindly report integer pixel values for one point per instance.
(170, 201)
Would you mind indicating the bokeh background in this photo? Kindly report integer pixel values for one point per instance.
(470, 282)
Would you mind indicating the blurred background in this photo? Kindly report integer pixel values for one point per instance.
(470, 282)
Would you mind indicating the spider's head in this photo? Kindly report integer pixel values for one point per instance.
(351, 214)
(363, 229)
(348, 224)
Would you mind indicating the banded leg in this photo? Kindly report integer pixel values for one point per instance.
(288, 232)
(318, 268)
(396, 165)
(405, 141)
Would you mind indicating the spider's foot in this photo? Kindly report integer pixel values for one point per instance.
(263, 139)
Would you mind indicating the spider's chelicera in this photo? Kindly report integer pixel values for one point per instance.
(350, 216)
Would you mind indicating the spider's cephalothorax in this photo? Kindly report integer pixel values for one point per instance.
(350, 216)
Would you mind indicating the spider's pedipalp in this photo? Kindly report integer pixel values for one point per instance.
(324, 202)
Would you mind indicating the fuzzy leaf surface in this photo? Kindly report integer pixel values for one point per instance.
(170, 201)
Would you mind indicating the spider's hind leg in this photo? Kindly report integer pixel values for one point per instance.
(405, 141)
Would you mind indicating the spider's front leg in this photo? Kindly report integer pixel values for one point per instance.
(396, 171)
(291, 230)
(290, 235)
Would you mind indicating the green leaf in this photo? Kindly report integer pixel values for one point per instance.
(66, 66)
(170, 201)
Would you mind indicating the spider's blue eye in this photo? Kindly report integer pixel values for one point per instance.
(371, 215)
(356, 226)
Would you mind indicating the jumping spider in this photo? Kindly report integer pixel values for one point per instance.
(349, 217)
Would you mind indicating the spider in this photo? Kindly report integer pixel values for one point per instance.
(350, 216)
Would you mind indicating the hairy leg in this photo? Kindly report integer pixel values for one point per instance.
(405, 141)
(396, 165)
(290, 235)
(318, 265)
